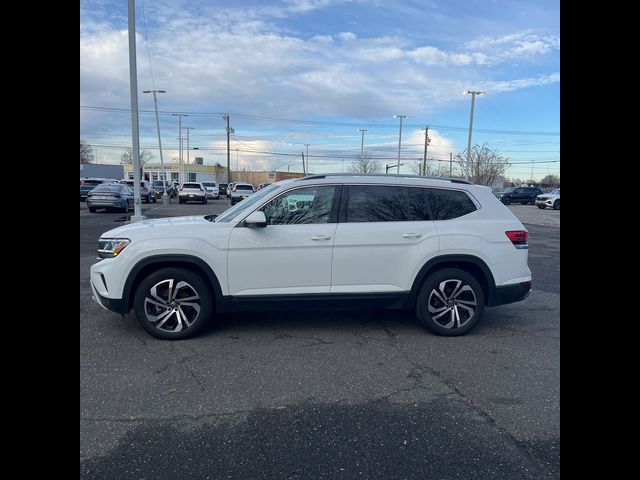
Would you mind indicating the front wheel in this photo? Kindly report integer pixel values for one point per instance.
(507, 201)
(542, 207)
(204, 201)
(450, 302)
(173, 303)
(556, 205)
(92, 209)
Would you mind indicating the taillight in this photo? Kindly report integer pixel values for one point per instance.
(519, 238)
(234, 189)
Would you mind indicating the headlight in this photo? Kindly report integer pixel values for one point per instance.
(111, 247)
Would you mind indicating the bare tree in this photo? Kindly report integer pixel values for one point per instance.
(435, 168)
(485, 165)
(365, 164)
(551, 181)
(86, 152)
(127, 156)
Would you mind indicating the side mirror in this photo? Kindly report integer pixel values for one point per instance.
(256, 220)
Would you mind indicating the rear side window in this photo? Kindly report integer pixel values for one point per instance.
(373, 203)
(448, 204)
(191, 185)
(244, 187)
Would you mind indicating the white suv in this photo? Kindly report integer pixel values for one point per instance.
(443, 248)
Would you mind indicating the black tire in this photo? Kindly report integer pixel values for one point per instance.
(204, 201)
(154, 199)
(125, 208)
(180, 201)
(192, 285)
(507, 201)
(524, 203)
(447, 281)
(92, 209)
(542, 206)
(556, 205)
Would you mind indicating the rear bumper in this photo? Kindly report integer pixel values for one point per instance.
(511, 293)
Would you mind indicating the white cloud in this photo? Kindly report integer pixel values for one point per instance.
(347, 36)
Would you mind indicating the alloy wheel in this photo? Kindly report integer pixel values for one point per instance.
(452, 304)
(172, 309)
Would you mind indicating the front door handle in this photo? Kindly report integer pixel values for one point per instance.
(411, 235)
(321, 237)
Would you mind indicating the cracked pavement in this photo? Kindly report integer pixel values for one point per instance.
(340, 394)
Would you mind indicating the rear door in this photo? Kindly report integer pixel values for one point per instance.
(384, 235)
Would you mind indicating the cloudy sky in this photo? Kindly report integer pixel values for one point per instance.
(296, 72)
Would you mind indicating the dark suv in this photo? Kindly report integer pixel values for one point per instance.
(222, 189)
(523, 195)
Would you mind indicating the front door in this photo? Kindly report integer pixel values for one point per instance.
(292, 254)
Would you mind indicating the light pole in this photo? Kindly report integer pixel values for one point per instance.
(399, 139)
(307, 145)
(473, 99)
(180, 115)
(133, 90)
(165, 198)
(362, 130)
(426, 142)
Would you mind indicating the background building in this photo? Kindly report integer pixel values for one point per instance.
(91, 170)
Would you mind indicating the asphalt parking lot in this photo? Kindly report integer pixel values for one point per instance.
(365, 394)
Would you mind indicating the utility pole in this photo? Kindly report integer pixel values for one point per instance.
(180, 174)
(450, 164)
(399, 140)
(229, 132)
(303, 170)
(473, 99)
(426, 142)
(362, 142)
(188, 148)
(165, 198)
(135, 133)
(307, 145)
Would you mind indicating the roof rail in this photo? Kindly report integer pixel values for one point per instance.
(320, 176)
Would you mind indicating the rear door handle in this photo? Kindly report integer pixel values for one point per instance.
(321, 237)
(411, 235)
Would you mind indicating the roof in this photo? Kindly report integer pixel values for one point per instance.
(383, 179)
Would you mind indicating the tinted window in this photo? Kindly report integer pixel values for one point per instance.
(448, 204)
(418, 205)
(303, 205)
(191, 185)
(92, 182)
(372, 203)
(244, 187)
(107, 188)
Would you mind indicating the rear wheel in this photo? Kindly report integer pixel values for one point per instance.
(180, 201)
(204, 200)
(450, 302)
(173, 303)
(542, 206)
(556, 205)
(92, 209)
(125, 207)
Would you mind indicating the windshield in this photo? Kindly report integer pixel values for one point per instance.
(556, 192)
(228, 215)
(511, 189)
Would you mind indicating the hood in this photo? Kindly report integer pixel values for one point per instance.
(149, 227)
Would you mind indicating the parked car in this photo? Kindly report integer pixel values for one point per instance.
(523, 195)
(159, 186)
(551, 200)
(88, 184)
(262, 185)
(192, 192)
(147, 192)
(240, 191)
(444, 249)
(222, 188)
(112, 196)
(212, 190)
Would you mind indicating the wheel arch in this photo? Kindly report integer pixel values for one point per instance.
(148, 265)
(469, 263)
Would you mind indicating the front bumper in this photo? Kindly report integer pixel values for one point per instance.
(511, 293)
(548, 202)
(116, 305)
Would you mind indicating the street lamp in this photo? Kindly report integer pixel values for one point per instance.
(362, 130)
(473, 99)
(399, 139)
(187, 129)
(164, 173)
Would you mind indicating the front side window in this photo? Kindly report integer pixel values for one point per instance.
(301, 206)
(448, 204)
